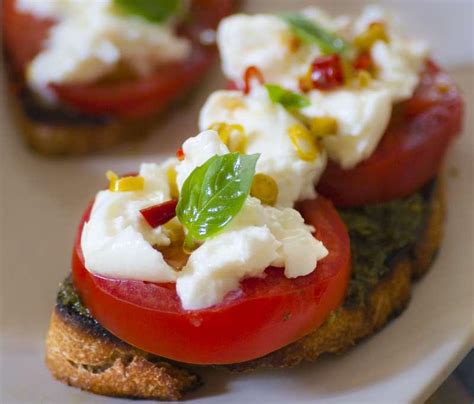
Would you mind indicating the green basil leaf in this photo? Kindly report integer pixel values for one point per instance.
(214, 193)
(152, 10)
(287, 98)
(309, 31)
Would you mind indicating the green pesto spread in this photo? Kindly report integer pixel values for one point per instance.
(377, 232)
(68, 298)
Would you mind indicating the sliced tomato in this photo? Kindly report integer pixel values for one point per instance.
(132, 98)
(24, 34)
(411, 151)
(263, 316)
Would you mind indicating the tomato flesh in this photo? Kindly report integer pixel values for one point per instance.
(263, 316)
(134, 98)
(411, 151)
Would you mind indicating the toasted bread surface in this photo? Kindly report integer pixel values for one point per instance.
(65, 133)
(81, 353)
(102, 364)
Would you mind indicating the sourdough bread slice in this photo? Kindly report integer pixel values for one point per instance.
(81, 353)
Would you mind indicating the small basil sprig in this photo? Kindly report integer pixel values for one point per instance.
(214, 193)
(287, 98)
(309, 31)
(152, 10)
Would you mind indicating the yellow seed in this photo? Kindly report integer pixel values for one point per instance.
(232, 135)
(303, 142)
(323, 126)
(174, 230)
(219, 127)
(171, 174)
(347, 70)
(362, 79)
(125, 184)
(306, 82)
(237, 142)
(375, 32)
(264, 188)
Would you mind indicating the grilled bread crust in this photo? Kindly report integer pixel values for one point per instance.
(93, 360)
(81, 353)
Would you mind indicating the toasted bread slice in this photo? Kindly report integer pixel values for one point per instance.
(86, 356)
(61, 131)
(81, 353)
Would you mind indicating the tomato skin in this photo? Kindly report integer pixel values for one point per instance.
(265, 315)
(131, 98)
(24, 34)
(411, 151)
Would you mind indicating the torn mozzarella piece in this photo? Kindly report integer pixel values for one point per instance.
(266, 126)
(116, 240)
(362, 118)
(399, 61)
(260, 236)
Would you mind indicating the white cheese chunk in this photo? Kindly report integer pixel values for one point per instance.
(258, 237)
(90, 38)
(263, 41)
(217, 267)
(399, 64)
(117, 242)
(197, 150)
(399, 61)
(266, 127)
(362, 117)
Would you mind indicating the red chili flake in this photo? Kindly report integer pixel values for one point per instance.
(327, 72)
(180, 154)
(160, 214)
(364, 62)
(252, 73)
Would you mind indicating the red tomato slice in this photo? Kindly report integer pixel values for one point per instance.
(263, 316)
(411, 151)
(25, 35)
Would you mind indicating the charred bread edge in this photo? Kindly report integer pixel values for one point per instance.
(79, 356)
(81, 353)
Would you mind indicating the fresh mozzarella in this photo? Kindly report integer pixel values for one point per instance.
(90, 38)
(217, 267)
(197, 150)
(399, 61)
(117, 242)
(266, 127)
(263, 41)
(362, 117)
(258, 237)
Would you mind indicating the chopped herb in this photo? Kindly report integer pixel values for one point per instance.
(287, 98)
(309, 31)
(155, 11)
(214, 193)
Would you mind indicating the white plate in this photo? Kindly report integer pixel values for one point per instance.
(41, 201)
